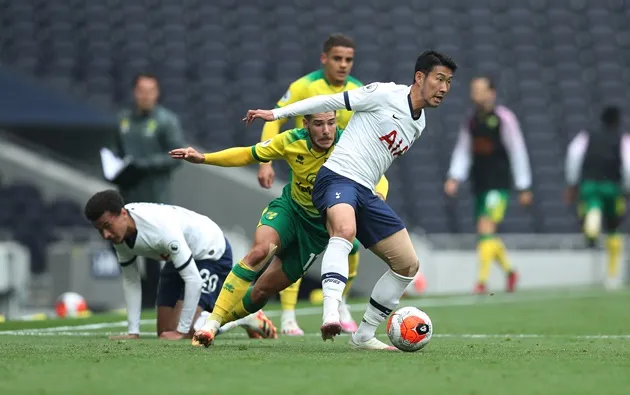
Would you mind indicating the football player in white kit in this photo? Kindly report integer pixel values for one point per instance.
(198, 258)
(387, 119)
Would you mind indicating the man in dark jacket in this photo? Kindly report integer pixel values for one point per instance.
(147, 133)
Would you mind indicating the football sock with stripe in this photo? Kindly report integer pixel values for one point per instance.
(384, 299)
(334, 273)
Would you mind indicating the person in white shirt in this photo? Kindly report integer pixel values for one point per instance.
(198, 259)
(387, 119)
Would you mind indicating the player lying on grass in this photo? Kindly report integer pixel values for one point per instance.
(598, 171)
(337, 58)
(387, 119)
(197, 254)
(290, 224)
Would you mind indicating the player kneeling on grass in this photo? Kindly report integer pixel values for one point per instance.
(290, 224)
(197, 254)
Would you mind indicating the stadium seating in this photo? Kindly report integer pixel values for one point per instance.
(556, 63)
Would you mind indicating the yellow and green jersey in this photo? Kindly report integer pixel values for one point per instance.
(312, 84)
(294, 147)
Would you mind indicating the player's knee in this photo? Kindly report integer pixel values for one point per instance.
(255, 258)
(407, 268)
(485, 226)
(344, 230)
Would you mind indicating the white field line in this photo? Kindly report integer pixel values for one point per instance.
(439, 335)
(469, 300)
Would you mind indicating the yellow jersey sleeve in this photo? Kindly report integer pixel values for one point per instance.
(297, 91)
(270, 149)
(382, 187)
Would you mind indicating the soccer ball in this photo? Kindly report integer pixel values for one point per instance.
(409, 329)
(71, 305)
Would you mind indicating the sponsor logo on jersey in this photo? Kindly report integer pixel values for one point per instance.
(300, 159)
(369, 88)
(394, 144)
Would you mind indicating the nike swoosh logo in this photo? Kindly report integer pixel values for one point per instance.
(395, 117)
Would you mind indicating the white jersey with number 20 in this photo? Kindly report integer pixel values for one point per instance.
(381, 129)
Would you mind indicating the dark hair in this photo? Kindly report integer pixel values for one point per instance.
(337, 40)
(308, 117)
(108, 200)
(152, 76)
(429, 59)
(491, 84)
(611, 116)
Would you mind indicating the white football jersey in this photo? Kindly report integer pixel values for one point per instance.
(168, 233)
(171, 233)
(381, 129)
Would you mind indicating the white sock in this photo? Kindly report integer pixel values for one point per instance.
(384, 299)
(233, 324)
(201, 320)
(335, 273)
(288, 315)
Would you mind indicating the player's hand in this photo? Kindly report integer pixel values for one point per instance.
(266, 175)
(252, 115)
(188, 154)
(128, 336)
(525, 198)
(450, 187)
(570, 193)
(172, 335)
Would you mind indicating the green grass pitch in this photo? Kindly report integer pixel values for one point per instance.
(571, 342)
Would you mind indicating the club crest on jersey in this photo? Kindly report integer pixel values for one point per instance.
(394, 146)
(173, 247)
(286, 96)
(271, 215)
(369, 88)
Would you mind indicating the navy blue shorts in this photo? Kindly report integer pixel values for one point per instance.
(375, 219)
(213, 274)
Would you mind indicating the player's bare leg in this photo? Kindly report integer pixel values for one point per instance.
(266, 242)
(398, 252)
(168, 318)
(341, 226)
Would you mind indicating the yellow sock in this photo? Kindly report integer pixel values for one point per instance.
(289, 296)
(486, 251)
(353, 266)
(501, 255)
(614, 245)
(234, 288)
(238, 312)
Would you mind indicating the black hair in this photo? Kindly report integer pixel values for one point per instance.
(429, 59)
(611, 117)
(491, 82)
(138, 76)
(108, 200)
(337, 40)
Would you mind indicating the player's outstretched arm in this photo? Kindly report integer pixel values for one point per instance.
(231, 157)
(312, 105)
